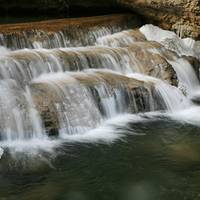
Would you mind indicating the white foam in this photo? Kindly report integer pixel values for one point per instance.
(32, 146)
(170, 40)
(154, 33)
(109, 132)
(4, 51)
(189, 115)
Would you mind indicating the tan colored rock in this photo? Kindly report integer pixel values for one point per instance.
(183, 16)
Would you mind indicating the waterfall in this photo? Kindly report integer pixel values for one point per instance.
(27, 64)
(72, 82)
(19, 118)
(95, 95)
(183, 47)
(172, 97)
(64, 32)
(186, 75)
(120, 39)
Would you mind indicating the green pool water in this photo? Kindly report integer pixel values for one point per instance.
(156, 159)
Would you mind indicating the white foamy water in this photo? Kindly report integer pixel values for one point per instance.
(31, 146)
(110, 131)
(189, 115)
(4, 51)
(170, 40)
(123, 38)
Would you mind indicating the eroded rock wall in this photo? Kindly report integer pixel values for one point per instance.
(179, 15)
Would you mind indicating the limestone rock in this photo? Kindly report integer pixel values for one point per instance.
(181, 16)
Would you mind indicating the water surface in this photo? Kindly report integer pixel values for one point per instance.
(155, 159)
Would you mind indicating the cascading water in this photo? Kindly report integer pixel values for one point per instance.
(64, 32)
(27, 64)
(40, 97)
(173, 98)
(96, 95)
(19, 119)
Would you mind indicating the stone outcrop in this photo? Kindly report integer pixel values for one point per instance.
(182, 16)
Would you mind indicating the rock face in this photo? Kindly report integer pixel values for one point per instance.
(179, 15)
